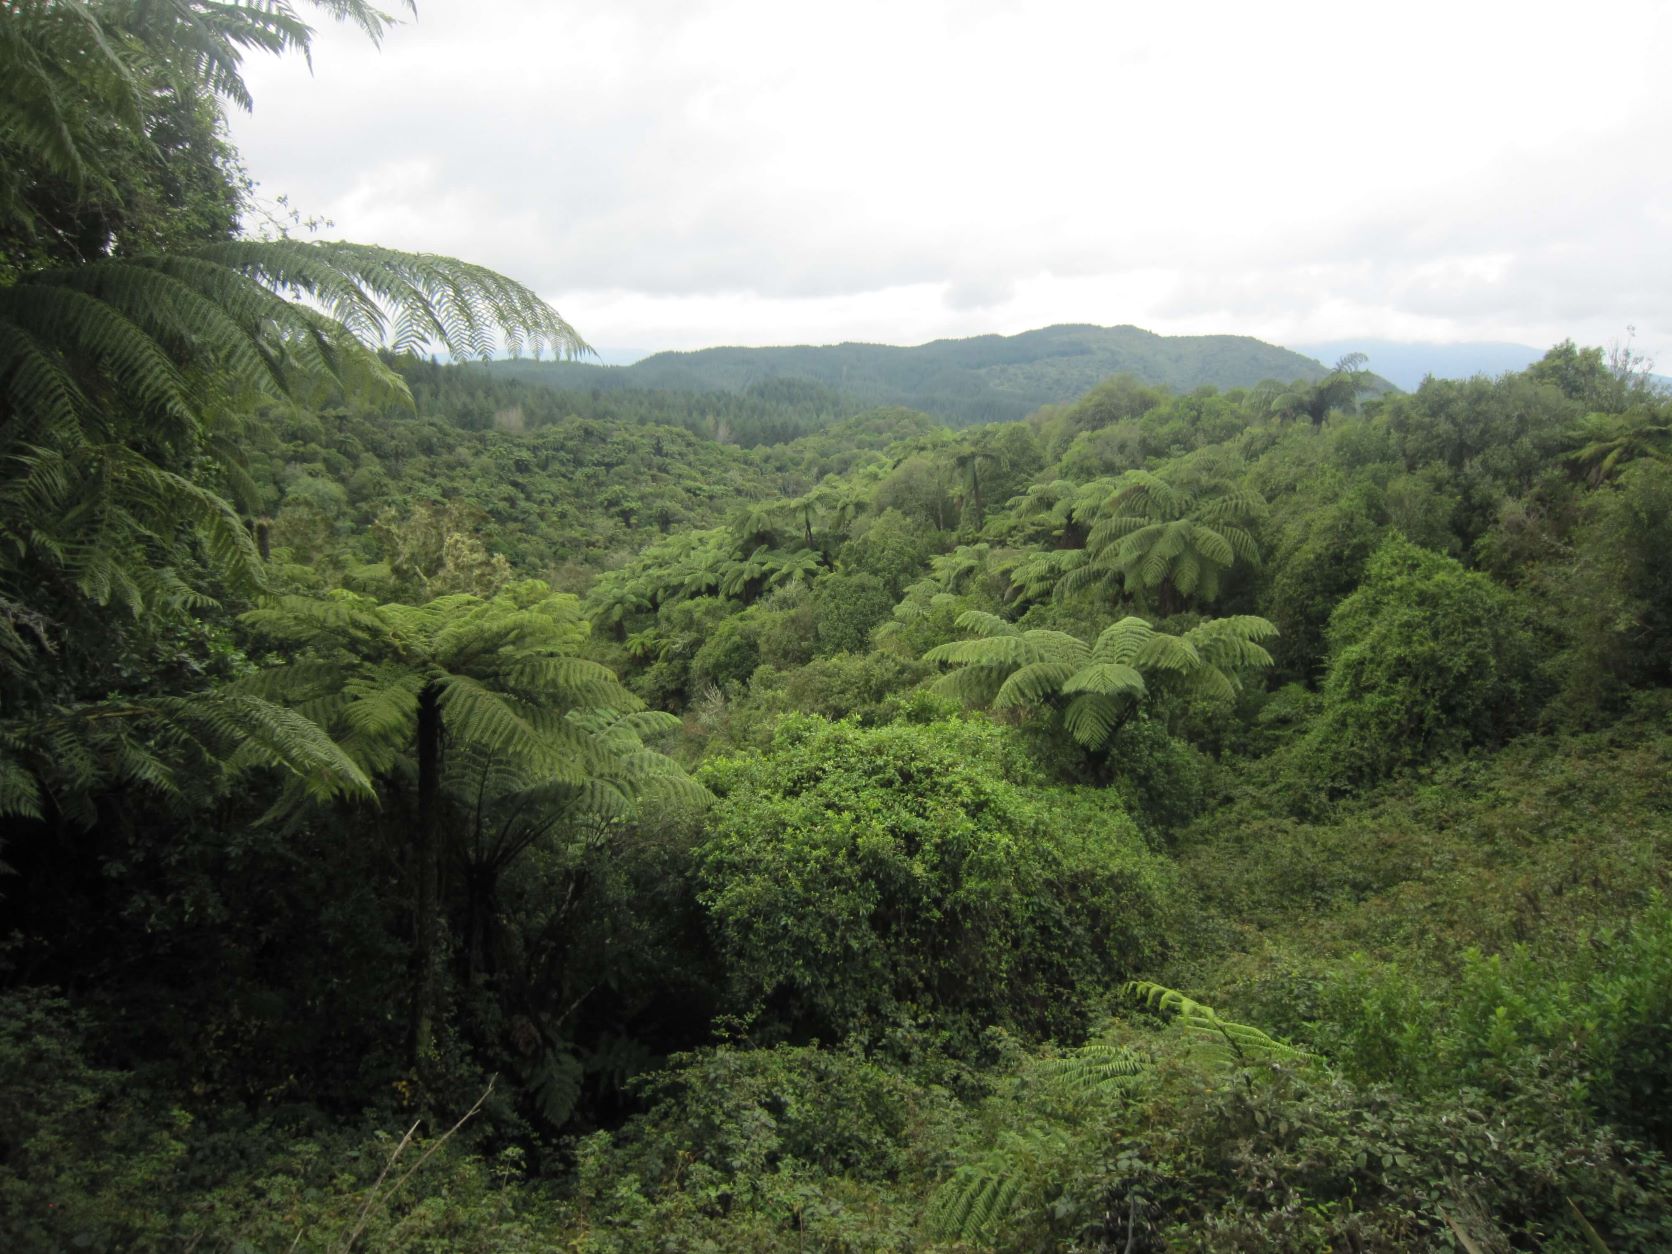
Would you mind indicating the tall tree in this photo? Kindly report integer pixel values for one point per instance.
(127, 373)
(404, 687)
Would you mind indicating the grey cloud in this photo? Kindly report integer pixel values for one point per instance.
(671, 181)
(978, 293)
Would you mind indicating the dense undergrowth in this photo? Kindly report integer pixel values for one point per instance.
(870, 986)
(446, 815)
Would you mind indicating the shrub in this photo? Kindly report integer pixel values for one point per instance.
(846, 608)
(770, 1149)
(858, 879)
(1425, 658)
(728, 656)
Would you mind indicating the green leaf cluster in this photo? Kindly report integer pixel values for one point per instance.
(861, 879)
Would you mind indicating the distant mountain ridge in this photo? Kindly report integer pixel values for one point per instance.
(986, 378)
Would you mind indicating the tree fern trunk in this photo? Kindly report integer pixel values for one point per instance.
(481, 889)
(426, 921)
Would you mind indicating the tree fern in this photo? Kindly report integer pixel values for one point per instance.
(976, 1201)
(1231, 1043)
(1159, 544)
(483, 705)
(125, 378)
(1096, 687)
(1613, 440)
(954, 571)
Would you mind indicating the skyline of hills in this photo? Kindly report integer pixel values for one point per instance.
(987, 378)
(1403, 363)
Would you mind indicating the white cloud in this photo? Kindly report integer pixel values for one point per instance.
(677, 174)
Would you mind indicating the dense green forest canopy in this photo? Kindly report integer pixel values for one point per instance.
(1222, 817)
(987, 378)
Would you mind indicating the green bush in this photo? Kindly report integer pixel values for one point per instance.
(1160, 778)
(846, 608)
(1425, 658)
(729, 656)
(1594, 1018)
(739, 1149)
(892, 547)
(90, 1159)
(859, 879)
(858, 685)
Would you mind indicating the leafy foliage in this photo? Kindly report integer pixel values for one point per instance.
(1104, 683)
(858, 880)
(1425, 658)
(1165, 546)
(242, 841)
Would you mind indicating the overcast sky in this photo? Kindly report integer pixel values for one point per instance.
(681, 173)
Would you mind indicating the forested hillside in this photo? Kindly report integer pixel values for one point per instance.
(1215, 819)
(987, 378)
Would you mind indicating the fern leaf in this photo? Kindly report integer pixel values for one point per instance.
(1096, 1067)
(985, 625)
(1231, 1042)
(1110, 679)
(1091, 717)
(1032, 684)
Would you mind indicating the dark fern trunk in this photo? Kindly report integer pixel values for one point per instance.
(426, 923)
(481, 894)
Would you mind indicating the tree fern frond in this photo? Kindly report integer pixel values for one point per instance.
(1037, 575)
(63, 326)
(570, 680)
(1088, 574)
(1109, 679)
(1168, 653)
(382, 706)
(269, 735)
(1210, 545)
(1233, 1042)
(1144, 492)
(971, 685)
(1091, 717)
(1123, 643)
(1235, 506)
(975, 1202)
(1095, 1067)
(58, 66)
(1242, 544)
(477, 713)
(1118, 527)
(985, 625)
(453, 303)
(1033, 684)
(1229, 645)
(20, 791)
